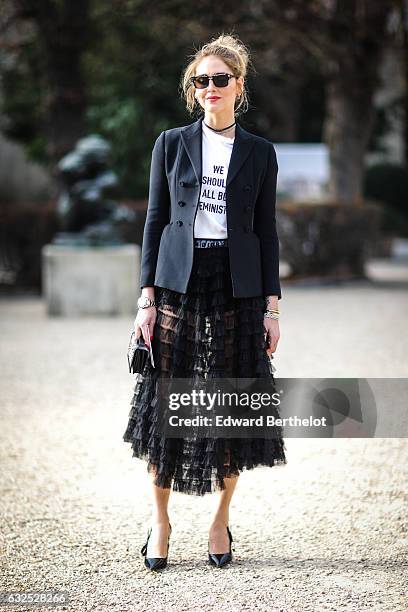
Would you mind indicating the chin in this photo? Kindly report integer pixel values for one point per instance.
(215, 108)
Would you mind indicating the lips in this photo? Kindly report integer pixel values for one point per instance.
(213, 98)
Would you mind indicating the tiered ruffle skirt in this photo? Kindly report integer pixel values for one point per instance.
(203, 333)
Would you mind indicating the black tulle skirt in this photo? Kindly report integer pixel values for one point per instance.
(205, 332)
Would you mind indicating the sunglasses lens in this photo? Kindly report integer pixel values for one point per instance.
(201, 82)
(221, 80)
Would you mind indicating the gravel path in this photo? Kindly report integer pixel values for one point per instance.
(328, 531)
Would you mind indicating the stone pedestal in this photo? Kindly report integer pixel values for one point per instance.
(91, 280)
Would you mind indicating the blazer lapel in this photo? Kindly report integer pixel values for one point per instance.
(192, 139)
(243, 144)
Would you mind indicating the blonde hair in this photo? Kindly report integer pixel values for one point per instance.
(234, 53)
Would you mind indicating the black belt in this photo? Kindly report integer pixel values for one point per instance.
(205, 243)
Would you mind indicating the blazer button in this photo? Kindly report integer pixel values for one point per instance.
(181, 183)
(179, 223)
(248, 208)
(247, 228)
(247, 187)
(181, 203)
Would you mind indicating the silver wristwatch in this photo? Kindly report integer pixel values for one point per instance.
(145, 302)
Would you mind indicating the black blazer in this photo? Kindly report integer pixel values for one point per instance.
(174, 191)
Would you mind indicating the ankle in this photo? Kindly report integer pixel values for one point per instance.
(159, 519)
(219, 523)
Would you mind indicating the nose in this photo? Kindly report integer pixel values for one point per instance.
(211, 86)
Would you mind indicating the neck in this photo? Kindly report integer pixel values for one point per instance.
(218, 121)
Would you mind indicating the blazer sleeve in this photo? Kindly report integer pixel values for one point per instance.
(158, 213)
(265, 227)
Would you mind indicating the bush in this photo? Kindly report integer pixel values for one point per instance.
(24, 231)
(388, 183)
(327, 239)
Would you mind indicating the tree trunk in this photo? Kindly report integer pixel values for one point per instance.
(404, 20)
(64, 33)
(347, 130)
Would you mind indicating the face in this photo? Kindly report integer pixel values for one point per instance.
(217, 99)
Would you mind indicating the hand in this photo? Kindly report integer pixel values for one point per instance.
(271, 334)
(145, 322)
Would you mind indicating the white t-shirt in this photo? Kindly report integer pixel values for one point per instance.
(211, 219)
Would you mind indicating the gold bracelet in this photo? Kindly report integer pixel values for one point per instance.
(271, 315)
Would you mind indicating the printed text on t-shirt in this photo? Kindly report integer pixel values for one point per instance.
(214, 192)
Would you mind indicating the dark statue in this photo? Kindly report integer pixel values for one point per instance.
(87, 214)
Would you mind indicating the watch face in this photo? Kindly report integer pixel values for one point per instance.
(143, 302)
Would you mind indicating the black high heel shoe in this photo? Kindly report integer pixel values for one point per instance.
(220, 559)
(154, 563)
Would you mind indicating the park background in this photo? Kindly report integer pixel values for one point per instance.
(329, 530)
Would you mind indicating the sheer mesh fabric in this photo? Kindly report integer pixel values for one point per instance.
(203, 333)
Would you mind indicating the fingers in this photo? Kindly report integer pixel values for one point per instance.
(145, 330)
(142, 330)
(148, 333)
(270, 343)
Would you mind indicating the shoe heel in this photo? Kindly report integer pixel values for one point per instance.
(231, 539)
(155, 563)
(221, 559)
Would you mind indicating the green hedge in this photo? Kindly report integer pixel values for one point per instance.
(388, 183)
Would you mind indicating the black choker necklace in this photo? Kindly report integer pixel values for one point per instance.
(223, 129)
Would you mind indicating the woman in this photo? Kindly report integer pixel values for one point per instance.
(210, 287)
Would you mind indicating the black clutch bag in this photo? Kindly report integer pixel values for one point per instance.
(138, 353)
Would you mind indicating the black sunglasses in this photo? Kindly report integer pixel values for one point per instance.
(221, 79)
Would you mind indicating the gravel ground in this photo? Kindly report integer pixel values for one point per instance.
(328, 531)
